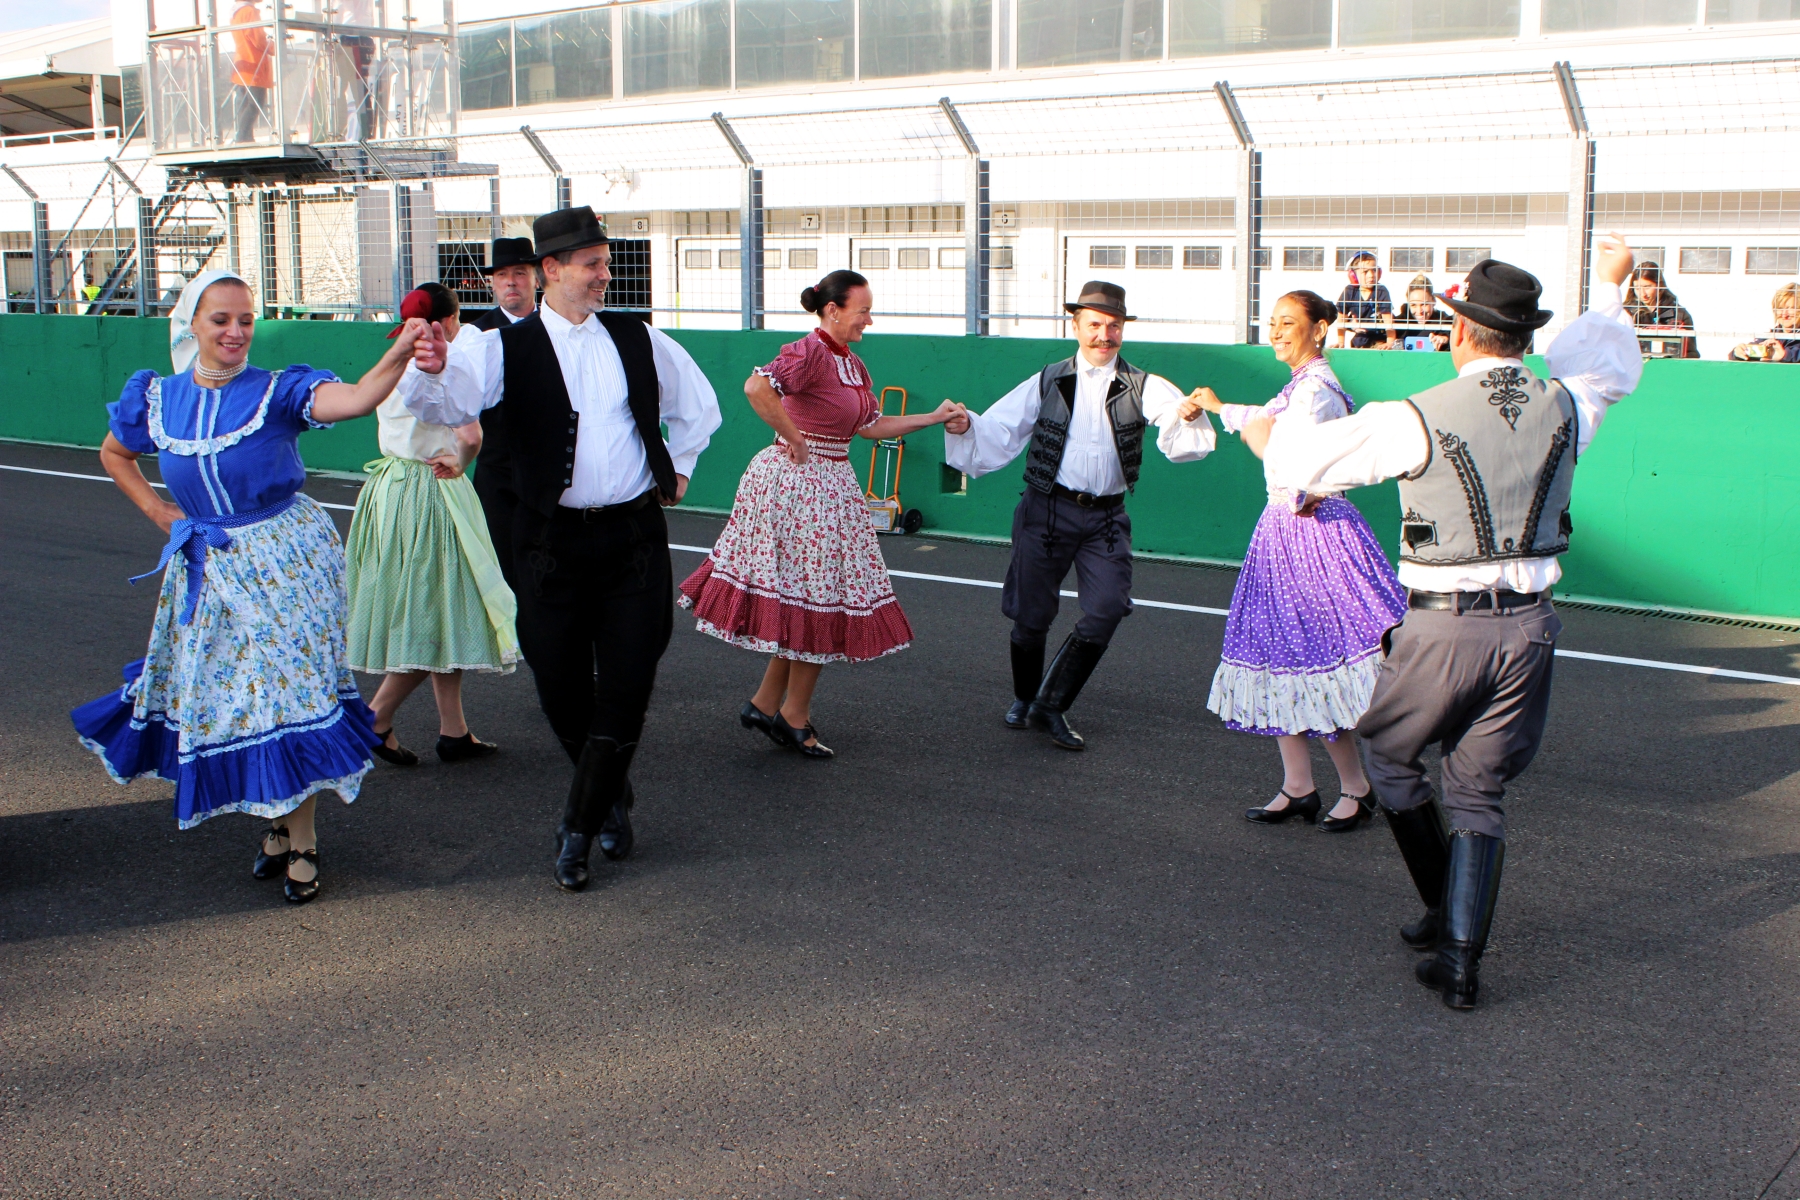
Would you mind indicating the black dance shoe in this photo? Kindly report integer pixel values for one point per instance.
(616, 838)
(462, 748)
(267, 865)
(572, 859)
(397, 754)
(795, 739)
(1331, 824)
(1305, 807)
(1056, 725)
(298, 892)
(1472, 889)
(754, 718)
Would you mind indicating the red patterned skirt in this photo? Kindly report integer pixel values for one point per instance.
(797, 571)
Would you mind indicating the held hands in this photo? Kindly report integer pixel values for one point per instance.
(1613, 259)
(430, 348)
(1200, 400)
(952, 416)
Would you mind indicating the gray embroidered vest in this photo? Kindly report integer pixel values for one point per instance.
(1056, 401)
(1502, 464)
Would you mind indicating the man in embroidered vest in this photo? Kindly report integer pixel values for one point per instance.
(513, 278)
(1084, 419)
(1486, 463)
(584, 393)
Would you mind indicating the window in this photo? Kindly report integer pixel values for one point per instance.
(1460, 260)
(915, 258)
(697, 260)
(1106, 256)
(1303, 258)
(1000, 258)
(803, 260)
(871, 259)
(1581, 16)
(794, 41)
(677, 46)
(485, 52)
(925, 37)
(1393, 22)
(1706, 260)
(1772, 260)
(1199, 27)
(1264, 257)
(1156, 256)
(131, 97)
(566, 57)
(1726, 12)
(1201, 258)
(1410, 258)
(771, 260)
(1061, 33)
(1346, 253)
(950, 258)
(728, 259)
(1650, 254)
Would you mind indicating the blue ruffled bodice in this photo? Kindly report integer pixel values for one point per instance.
(223, 450)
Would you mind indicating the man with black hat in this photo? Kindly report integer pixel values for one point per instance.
(1084, 419)
(584, 393)
(513, 278)
(1486, 463)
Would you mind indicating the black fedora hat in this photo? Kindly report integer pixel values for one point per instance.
(567, 229)
(1500, 296)
(510, 252)
(1108, 298)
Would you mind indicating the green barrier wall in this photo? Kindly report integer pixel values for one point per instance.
(1689, 497)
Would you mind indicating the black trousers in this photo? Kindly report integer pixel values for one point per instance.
(596, 610)
(500, 505)
(1050, 534)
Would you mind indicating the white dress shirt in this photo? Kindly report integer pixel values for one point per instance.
(610, 464)
(1090, 460)
(1595, 357)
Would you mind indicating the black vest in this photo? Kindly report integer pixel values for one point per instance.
(540, 423)
(1056, 401)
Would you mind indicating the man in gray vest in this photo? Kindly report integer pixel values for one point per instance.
(1485, 464)
(1084, 418)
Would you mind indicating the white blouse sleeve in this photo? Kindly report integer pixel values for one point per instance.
(996, 436)
(1597, 358)
(470, 382)
(689, 406)
(1380, 441)
(1179, 441)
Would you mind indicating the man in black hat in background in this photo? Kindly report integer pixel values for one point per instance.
(581, 393)
(513, 278)
(1486, 463)
(1084, 419)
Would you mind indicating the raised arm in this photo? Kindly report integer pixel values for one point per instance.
(887, 427)
(1596, 356)
(1182, 435)
(995, 437)
(452, 383)
(342, 401)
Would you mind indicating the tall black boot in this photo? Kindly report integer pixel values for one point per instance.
(616, 838)
(573, 841)
(1028, 676)
(1068, 674)
(598, 794)
(1472, 887)
(1424, 843)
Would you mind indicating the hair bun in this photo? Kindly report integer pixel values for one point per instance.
(809, 299)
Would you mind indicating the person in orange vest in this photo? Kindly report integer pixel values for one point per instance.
(252, 71)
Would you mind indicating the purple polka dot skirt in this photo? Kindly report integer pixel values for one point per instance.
(1303, 641)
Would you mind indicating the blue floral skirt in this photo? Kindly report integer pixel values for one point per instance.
(251, 707)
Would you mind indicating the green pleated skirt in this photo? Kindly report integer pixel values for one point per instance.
(426, 593)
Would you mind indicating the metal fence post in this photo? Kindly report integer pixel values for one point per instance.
(493, 208)
(977, 219)
(147, 281)
(1247, 215)
(296, 296)
(1581, 195)
(265, 249)
(403, 247)
(564, 199)
(750, 232)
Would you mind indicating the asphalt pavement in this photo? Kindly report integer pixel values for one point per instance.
(953, 962)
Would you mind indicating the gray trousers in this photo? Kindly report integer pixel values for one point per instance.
(1476, 682)
(1050, 534)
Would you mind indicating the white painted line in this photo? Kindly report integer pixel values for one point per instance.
(1651, 663)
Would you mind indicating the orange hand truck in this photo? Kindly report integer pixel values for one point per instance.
(886, 513)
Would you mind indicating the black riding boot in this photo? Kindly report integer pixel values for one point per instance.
(1068, 674)
(1028, 676)
(596, 793)
(1472, 887)
(1425, 846)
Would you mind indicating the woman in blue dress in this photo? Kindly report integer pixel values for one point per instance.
(244, 700)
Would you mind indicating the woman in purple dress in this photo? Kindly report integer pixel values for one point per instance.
(1303, 641)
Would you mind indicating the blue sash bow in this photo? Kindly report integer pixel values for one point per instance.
(190, 537)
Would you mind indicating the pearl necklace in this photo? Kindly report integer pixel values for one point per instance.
(217, 378)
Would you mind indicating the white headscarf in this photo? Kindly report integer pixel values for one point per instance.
(183, 347)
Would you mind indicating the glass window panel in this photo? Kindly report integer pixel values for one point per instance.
(1303, 258)
(924, 37)
(951, 258)
(131, 97)
(1244, 26)
(1156, 256)
(1410, 258)
(1727, 12)
(729, 259)
(1390, 22)
(697, 260)
(1462, 259)
(803, 260)
(1000, 258)
(1262, 256)
(1772, 260)
(565, 57)
(1106, 256)
(868, 259)
(1202, 258)
(1563, 16)
(771, 260)
(677, 46)
(915, 258)
(486, 55)
(1346, 253)
(794, 41)
(1706, 260)
(1059, 33)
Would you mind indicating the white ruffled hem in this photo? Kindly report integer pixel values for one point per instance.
(1262, 700)
(746, 642)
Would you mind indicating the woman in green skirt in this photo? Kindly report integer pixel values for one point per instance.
(426, 594)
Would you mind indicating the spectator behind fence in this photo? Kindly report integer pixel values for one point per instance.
(1785, 345)
(1365, 310)
(1652, 306)
(1423, 325)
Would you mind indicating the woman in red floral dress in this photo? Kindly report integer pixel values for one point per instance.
(796, 572)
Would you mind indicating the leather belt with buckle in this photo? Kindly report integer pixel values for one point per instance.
(1088, 499)
(1489, 601)
(607, 510)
